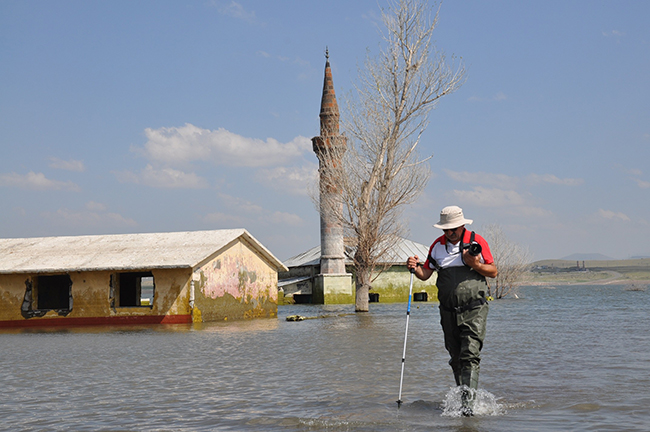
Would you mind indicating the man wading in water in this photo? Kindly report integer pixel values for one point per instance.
(463, 260)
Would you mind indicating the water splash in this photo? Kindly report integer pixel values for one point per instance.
(485, 403)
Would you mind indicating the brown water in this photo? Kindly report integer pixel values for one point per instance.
(571, 358)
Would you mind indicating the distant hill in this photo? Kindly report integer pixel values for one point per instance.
(611, 264)
(587, 257)
(568, 271)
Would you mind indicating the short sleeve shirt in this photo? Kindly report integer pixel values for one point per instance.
(446, 254)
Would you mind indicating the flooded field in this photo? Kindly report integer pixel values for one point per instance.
(570, 358)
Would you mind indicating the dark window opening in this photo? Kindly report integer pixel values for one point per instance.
(53, 292)
(136, 289)
(420, 296)
(302, 298)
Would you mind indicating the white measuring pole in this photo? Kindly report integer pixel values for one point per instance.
(406, 332)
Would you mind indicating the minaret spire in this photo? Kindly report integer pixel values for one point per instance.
(329, 108)
(330, 147)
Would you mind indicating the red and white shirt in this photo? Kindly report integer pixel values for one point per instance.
(449, 255)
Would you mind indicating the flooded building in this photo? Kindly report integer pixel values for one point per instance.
(300, 283)
(178, 277)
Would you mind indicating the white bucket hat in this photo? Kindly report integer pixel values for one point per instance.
(452, 217)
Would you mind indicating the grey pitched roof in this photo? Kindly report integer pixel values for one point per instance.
(188, 249)
(398, 254)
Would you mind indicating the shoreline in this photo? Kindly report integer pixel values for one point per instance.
(631, 282)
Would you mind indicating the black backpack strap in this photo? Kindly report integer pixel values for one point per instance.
(434, 262)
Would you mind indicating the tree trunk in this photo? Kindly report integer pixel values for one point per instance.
(363, 290)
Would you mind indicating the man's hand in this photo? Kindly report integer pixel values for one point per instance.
(412, 262)
(422, 273)
(473, 261)
(487, 270)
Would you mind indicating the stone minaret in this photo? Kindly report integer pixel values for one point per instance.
(329, 147)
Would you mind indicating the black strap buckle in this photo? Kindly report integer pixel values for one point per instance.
(471, 305)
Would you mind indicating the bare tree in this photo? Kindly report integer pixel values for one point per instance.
(381, 170)
(511, 259)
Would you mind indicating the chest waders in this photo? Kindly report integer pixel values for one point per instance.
(463, 315)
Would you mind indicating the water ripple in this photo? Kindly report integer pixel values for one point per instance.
(572, 358)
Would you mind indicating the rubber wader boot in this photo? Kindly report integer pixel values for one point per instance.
(469, 379)
(456, 370)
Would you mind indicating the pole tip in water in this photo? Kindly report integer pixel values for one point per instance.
(399, 403)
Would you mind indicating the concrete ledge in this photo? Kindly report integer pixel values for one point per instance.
(333, 289)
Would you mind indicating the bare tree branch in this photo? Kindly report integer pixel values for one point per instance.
(511, 259)
(381, 171)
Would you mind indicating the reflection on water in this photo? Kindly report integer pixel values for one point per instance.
(571, 358)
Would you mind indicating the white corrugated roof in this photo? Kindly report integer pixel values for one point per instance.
(122, 251)
(398, 254)
(285, 282)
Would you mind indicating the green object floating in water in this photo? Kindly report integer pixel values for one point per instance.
(295, 318)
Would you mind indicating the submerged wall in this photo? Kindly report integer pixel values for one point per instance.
(392, 285)
(236, 284)
(93, 301)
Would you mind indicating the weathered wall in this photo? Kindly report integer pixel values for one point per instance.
(392, 285)
(236, 284)
(302, 287)
(12, 293)
(92, 302)
(333, 289)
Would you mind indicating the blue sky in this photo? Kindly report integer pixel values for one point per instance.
(149, 116)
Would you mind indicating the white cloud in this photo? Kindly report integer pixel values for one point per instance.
(483, 178)
(507, 201)
(611, 215)
(283, 218)
(642, 183)
(236, 10)
(530, 211)
(244, 213)
(181, 145)
(294, 181)
(484, 197)
(88, 218)
(500, 96)
(69, 165)
(222, 219)
(167, 178)
(240, 205)
(613, 33)
(633, 171)
(36, 181)
(95, 206)
(506, 181)
(552, 179)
